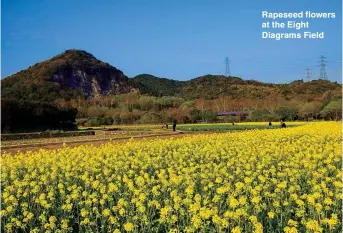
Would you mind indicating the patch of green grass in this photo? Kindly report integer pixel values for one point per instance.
(201, 127)
(225, 127)
(123, 127)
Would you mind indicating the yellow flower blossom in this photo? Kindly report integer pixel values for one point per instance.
(224, 182)
(128, 226)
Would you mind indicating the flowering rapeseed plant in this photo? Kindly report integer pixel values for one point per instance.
(282, 180)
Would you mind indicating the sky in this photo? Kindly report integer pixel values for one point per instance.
(173, 39)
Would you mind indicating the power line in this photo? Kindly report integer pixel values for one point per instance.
(227, 67)
(308, 74)
(292, 65)
(323, 74)
(278, 64)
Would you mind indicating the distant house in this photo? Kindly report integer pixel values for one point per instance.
(223, 115)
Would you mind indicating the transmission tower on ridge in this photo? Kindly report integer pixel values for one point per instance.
(323, 74)
(308, 74)
(227, 67)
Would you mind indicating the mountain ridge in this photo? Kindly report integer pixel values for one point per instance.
(70, 74)
(78, 74)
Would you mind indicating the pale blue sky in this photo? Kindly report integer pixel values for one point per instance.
(174, 39)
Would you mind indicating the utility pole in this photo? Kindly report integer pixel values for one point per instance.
(308, 74)
(323, 75)
(227, 67)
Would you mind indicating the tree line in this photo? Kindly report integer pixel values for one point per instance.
(135, 108)
(24, 116)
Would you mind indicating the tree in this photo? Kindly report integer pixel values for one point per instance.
(208, 116)
(146, 102)
(170, 102)
(260, 115)
(28, 115)
(130, 100)
(287, 113)
(203, 105)
(150, 117)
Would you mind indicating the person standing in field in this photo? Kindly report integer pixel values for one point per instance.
(174, 125)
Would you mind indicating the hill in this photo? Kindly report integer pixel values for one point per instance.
(214, 86)
(72, 74)
(78, 74)
(150, 84)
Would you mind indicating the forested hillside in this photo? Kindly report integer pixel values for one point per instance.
(102, 94)
(78, 74)
(72, 74)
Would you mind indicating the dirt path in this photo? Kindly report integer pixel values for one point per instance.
(56, 145)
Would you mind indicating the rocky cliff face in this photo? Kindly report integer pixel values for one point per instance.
(82, 71)
(91, 76)
(73, 70)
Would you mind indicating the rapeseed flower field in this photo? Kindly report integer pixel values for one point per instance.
(281, 180)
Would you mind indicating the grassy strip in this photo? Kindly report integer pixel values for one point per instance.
(44, 141)
(40, 135)
(226, 127)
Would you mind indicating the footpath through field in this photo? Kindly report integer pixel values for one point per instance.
(186, 130)
(56, 145)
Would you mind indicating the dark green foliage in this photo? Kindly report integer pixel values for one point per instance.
(27, 116)
(149, 84)
(208, 116)
(31, 91)
(98, 121)
(263, 115)
(287, 113)
(213, 86)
